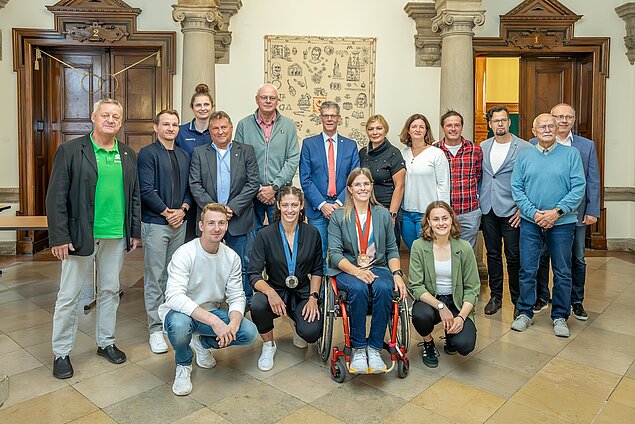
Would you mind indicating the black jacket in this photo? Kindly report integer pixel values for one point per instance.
(70, 199)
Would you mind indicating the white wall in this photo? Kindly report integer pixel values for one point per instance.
(401, 88)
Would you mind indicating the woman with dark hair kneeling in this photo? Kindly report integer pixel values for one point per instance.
(444, 279)
(290, 253)
(362, 255)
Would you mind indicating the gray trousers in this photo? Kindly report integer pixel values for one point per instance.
(109, 255)
(470, 223)
(159, 244)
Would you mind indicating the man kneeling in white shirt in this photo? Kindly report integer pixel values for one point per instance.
(201, 274)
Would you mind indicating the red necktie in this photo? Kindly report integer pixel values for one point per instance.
(332, 189)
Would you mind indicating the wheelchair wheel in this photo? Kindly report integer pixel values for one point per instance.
(403, 367)
(338, 372)
(328, 315)
(403, 327)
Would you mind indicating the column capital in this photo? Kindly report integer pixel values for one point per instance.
(427, 43)
(627, 13)
(457, 22)
(198, 18)
(223, 39)
(3, 3)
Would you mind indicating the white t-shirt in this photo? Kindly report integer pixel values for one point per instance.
(197, 278)
(427, 178)
(498, 154)
(443, 271)
(454, 149)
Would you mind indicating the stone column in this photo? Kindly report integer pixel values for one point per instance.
(455, 20)
(200, 20)
(427, 43)
(627, 12)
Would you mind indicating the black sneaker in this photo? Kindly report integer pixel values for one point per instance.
(449, 350)
(429, 354)
(493, 306)
(62, 367)
(540, 305)
(579, 312)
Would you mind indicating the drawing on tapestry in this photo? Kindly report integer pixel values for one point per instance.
(310, 70)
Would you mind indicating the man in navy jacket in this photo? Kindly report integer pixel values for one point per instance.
(165, 199)
(588, 213)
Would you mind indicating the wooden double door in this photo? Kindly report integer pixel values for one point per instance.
(63, 96)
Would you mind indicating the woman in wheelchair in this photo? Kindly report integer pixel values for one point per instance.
(444, 279)
(290, 253)
(364, 259)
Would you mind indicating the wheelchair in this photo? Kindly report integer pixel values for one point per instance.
(333, 306)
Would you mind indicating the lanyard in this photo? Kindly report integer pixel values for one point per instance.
(362, 236)
(291, 261)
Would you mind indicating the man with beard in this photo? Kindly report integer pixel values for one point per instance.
(501, 218)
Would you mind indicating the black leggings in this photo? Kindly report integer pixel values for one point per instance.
(425, 317)
(263, 316)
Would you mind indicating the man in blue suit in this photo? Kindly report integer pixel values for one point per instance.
(501, 217)
(325, 162)
(588, 213)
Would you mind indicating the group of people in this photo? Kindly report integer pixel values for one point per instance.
(199, 197)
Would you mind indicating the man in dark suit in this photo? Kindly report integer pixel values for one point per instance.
(501, 217)
(325, 162)
(93, 207)
(588, 213)
(226, 172)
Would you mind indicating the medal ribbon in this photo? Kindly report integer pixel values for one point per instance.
(291, 259)
(362, 236)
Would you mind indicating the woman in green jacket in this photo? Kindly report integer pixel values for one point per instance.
(444, 279)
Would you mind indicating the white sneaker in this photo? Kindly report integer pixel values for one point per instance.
(204, 357)
(376, 365)
(299, 341)
(182, 384)
(157, 342)
(359, 362)
(265, 362)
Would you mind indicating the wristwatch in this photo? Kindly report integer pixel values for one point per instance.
(275, 187)
(560, 211)
(184, 209)
(397, 272)
(316, 295)
(441, 305)
(393, 214)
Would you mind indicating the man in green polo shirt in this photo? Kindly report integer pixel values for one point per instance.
(93, 208)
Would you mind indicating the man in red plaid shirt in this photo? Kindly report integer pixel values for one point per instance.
(465, 160)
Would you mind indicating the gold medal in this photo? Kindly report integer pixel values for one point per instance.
(291, 281)
(363, 260)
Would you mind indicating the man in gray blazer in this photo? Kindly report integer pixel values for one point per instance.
(226, 172)
(501, 218)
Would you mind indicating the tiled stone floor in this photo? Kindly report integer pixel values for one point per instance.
(530, 377)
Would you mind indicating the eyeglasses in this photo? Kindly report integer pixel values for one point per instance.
(270, 98)
(499, 121)
(330, 116)
(360, 185)
(544, 128)
(564, 117)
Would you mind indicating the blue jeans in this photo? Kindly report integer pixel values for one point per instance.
(180, 328)
(322, 225)
(359, 296)
(558, 240)
(470, 222)
(242, 247)
(411, 227)
(578, 269)
(260, 209)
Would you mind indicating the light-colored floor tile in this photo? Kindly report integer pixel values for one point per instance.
(415, 382)
(512, 412)
(17, 361)
(24, 320)
(460, 402)
(520, 359)
(206, 387)
(306, 381)
(309, 415)
(614, 412)
(7, 344)
(558, 400)
(595, 305)
(87, 365)
(484, 375)
(598, 356)
(410, 413)
(631, 371)
(246, 360)
(238, 408)
(618, 265)
(536, 340)
(98, 417)
(31, 384)
(580, 377)
(491, 327)
(155, 406)
(202, 416)
(625, 392)
(61, 406)
(370, 404)
(33, 335)
(619, 324)
(44, 351)
(9, 296)
(447, 363)
(163, 366)
(115, 386)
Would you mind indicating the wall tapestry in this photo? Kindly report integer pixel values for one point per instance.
(309, 70)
